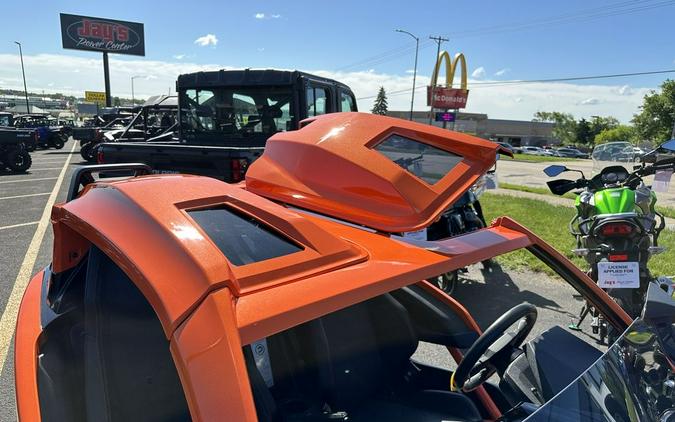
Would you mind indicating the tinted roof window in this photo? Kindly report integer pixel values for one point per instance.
(428, 163)
(242, 239)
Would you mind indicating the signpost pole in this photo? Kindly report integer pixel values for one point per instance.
(106, 76)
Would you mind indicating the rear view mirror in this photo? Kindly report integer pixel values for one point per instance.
(562, 186)
(554, 170)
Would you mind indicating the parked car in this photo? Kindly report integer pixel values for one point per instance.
(508, 146)
(571, 153)
(531, 150)
(291, 296)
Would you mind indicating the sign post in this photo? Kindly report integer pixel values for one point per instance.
(104, 35)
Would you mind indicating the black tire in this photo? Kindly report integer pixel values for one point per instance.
(88, 152)
(30, 147)
(447, 281)
(58, 143)
(18, 161)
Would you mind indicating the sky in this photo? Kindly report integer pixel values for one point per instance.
(355, 42)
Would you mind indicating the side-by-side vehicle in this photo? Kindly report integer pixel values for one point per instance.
(289, 297)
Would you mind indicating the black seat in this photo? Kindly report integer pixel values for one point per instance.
(128, 370)
(361, 360)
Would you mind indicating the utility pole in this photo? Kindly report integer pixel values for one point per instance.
(417, 47)
(438, 40)
(23, 72)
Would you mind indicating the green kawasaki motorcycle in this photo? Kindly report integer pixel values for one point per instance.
(617, 228)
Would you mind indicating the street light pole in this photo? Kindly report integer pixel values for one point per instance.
(417, 47)
(23, 72)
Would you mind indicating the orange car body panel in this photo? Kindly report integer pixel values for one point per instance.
(330, 166)
(210, 308)
(25, 351)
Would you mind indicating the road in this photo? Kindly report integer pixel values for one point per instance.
(26, 239)
(532, 174)
(26, 236)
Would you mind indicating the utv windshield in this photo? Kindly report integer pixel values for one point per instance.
(237, 111)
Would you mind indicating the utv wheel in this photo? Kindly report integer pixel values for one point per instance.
(88, 152)
(30, 147)
(19, 161)
(58, 143)
(447, 282)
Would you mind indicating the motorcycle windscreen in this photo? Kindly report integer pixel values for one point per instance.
(389, 174)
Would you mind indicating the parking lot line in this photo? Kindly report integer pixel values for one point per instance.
(8, 318)
(24, 196)
(43, 169)
(37, 179)
(18, 225)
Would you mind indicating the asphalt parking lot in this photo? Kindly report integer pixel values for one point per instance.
(26, 236)
(26, 239)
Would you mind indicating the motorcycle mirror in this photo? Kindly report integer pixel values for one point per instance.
(554, 170)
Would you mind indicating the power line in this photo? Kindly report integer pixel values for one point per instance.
(583, 15)
(532, 81)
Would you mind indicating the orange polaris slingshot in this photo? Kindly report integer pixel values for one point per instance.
(290, 297)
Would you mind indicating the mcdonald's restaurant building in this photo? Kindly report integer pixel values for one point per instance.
(515, 132)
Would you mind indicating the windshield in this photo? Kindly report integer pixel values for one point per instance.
(632, 381)
(237, 112)
(612, 153)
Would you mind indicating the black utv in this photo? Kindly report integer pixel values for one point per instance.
(13, 152)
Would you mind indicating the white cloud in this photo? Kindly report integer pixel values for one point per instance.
(262, 16)
(208, 39)
(501, 72)
(179, 56)
(479, 73)
(410, 71)
(590, 101)
(625, 90)
(508, 101)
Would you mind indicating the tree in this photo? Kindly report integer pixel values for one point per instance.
(565, 125)
(380, 105)
(584, 133)
(623, 133)
(655, 120)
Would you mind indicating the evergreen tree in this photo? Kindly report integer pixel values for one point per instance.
(380, 105)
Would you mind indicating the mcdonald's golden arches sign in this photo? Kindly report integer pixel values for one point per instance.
(447, 97)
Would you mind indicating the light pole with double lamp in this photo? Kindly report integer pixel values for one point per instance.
(23, 72)
(417, 46)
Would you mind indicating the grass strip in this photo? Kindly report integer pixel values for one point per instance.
(550, 223)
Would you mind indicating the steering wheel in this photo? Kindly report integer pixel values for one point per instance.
(478, 363)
